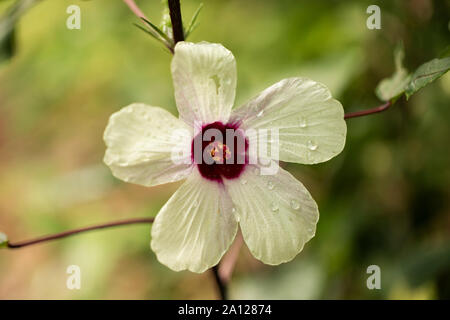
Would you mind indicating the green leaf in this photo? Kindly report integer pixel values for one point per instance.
(155, 36)
(193, 24)
(7, 26)
(427, 73)
(7, 23)
(391, 88)
(3, 240)
(157, 31)
(7, 45)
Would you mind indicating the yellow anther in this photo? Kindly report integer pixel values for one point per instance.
(219, 151)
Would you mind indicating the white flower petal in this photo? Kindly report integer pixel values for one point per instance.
(204, 78)
(140, 140)
(195, 227)
(277, 215)
(310, 122)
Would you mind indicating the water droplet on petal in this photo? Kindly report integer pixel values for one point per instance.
(311, 145)
(260, 113)
(234, 212)
(295, 205)
(243, 181)
(195, 203)
(274, 207)
(270, 185)
(302, 122)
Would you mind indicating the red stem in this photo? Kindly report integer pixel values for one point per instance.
(221, 286)
(64, 234)
(228, 261)
(135, 9)
(362, 113)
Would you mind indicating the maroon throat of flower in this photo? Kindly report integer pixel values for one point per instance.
(220, 151)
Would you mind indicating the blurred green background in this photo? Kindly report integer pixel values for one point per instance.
(385, 200)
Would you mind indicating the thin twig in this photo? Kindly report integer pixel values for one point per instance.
(175, 18)
(177, 22)
(135, 9)
(223, 271)
(228, 262)
(222, 288)
(64, 234)
(378, 109)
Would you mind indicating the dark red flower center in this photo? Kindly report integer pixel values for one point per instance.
(220, 151)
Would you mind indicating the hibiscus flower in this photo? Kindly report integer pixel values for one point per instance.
(275, 212)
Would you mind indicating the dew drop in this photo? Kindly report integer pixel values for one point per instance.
(243, 181)
(302, 122)
(270, 185)
(311, 145)
(260, 113)
(295, 205)
(274, 207)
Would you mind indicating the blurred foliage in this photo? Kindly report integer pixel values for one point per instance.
(427, 73)
(391, 88)
(385, 200)
(8, 22)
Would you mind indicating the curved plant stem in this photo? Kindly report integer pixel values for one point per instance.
(21, 244)
(223, 271)
(221, 286)
(362, 113)
(228, 262)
